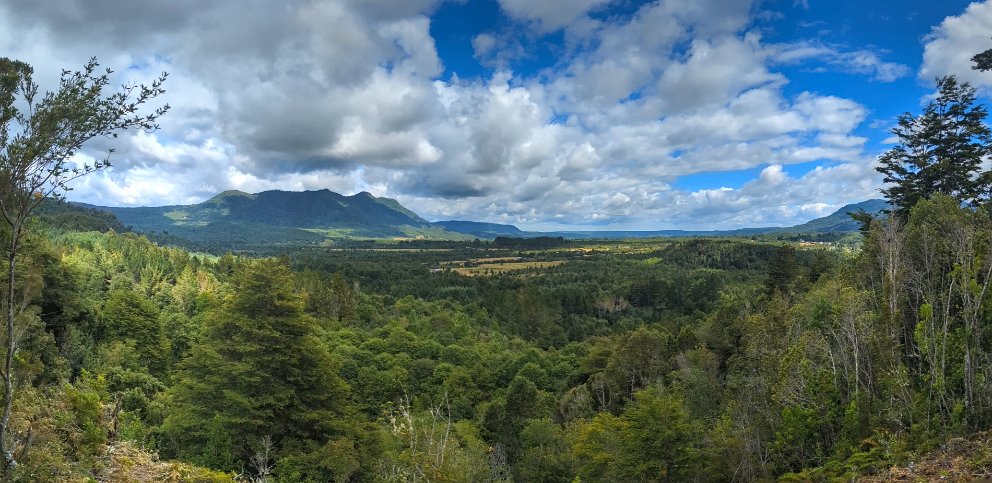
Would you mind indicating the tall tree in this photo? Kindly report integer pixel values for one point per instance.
(261, 369)
(39, 135)
(939, 151)
(782, 270)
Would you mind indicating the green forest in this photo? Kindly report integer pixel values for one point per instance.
(654, 360)
(698, 359)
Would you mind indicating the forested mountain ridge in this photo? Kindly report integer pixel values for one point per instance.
(837, 222)
(241, 219)
(297, 209)
(238, 220)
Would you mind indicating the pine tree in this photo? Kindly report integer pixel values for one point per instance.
(261, 370)
(939, 151)
(982, 60)
(782, 270)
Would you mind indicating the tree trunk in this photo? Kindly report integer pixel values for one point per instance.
(7, 443)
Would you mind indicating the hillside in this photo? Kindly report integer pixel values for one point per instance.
(59, 215)
(840, 220)
(235, 220)
(837, 222)
(308, 209)
(241, 220)
(958, 459)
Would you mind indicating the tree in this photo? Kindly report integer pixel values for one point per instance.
(864, 220)
(262, 369)
(982, 60)
(39, 135)
(660, 442)
(939, 151)
(127, 315)
(507, 417)
(782, 270)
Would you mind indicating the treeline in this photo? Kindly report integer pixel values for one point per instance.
(213, 361)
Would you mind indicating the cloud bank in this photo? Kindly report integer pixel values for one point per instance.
(352, 95)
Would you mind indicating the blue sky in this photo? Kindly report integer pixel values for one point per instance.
(894, 29)
(551, 114)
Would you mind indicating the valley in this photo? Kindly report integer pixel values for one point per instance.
(496, 241)
(274, 220)
(521, 344)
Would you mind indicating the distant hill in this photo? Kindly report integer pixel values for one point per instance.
(840, 220)
(234, 220)
(306, 209)
(63, 216)
(480, 229)
(241, 220)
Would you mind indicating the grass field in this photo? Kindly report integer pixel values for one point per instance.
(497, 268)
(487, 266)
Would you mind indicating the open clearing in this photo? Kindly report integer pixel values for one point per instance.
(477, 267)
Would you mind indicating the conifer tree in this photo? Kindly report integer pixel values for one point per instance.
(939, 151)
(260, 370)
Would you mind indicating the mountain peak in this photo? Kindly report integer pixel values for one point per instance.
(308, 214)
(231, 194)
(840, 220)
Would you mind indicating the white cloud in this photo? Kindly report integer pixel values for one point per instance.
(483, 44)
(714, 73)
(949, 47)
(346, 95)
(550, 15)
(861, 62)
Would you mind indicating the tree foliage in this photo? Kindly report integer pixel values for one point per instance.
(982, 60)
(39, 135)
(940, 150)
(260, 369)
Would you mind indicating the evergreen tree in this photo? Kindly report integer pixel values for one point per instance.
(127, 315)
(261, 370)
(782, 270)
(939, 151)
(982, 60)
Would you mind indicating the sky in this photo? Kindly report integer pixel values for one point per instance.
(546, 114)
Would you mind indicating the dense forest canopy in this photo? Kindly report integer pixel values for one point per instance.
(655, 360)
(707, 359)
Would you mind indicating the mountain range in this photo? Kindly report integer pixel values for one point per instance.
(242, 219)
(837, 222)
(239, 220)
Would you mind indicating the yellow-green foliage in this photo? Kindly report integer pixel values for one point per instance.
(125, 463)
(665, 360)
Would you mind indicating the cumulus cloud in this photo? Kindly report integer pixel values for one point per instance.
(775, 198)
(351, 95)
(550, 14)
(949, 47)
(861, 62)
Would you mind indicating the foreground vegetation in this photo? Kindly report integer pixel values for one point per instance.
(663, 360)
